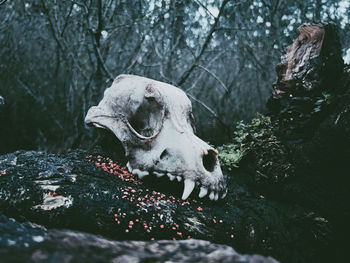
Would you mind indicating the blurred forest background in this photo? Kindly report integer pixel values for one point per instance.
(58, 56)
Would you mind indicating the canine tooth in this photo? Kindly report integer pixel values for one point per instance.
(188, 188)
(203, 192)
(212, 196)
(216, 197)
(129, 167)
(158, 174)
(171, 177)
(179, 178)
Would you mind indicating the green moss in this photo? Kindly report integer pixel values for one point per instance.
(244, 135)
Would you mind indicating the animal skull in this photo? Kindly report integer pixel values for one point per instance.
(154, 122)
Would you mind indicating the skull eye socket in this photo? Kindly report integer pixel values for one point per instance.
(148, 118)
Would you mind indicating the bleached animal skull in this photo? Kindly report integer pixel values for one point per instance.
(154, 122)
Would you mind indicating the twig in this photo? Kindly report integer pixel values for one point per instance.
(67, 19)
(208, 109)
(99, 57)
(206, 8)
(187, 73)
(60, 42)
(208, 64)
(215, 77)
(133, 59)
(27, 89)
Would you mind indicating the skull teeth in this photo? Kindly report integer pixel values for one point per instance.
(158, 174)
(140, 173)
(189, 184)
(203, 192)
(188, 188)
(212, 195)
(171, 177)
(216, 197)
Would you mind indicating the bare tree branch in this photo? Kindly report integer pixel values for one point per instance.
(59, 41)
(205, 8)
(202, 73)
(67, 19)
(187, 73)
(215, 77)
(211, 111)
(102, 62)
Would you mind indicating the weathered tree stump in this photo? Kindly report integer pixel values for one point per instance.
(311, 72)
(313, 62)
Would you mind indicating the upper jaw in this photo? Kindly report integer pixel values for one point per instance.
(92, 114)
(208, 186)
(95, 117)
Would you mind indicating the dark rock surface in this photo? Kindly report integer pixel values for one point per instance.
(28, 242)
(69, 191)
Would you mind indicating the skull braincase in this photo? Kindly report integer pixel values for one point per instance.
(154, 122)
